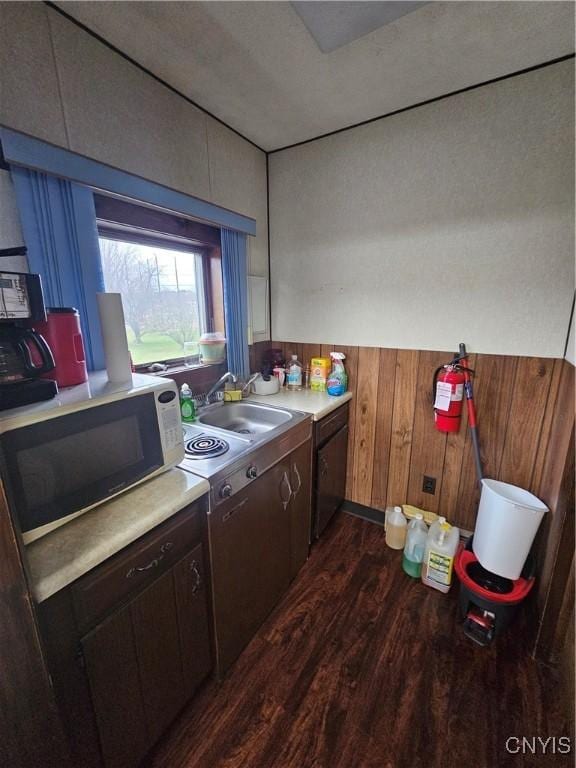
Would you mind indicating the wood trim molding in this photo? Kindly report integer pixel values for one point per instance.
(30, 726)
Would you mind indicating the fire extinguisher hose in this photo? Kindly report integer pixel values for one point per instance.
(471, 411)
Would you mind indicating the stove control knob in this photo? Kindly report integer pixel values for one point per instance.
(252, 472)
(226, 491)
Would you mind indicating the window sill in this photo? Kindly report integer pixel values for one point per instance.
(182, 369)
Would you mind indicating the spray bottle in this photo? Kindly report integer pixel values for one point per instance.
(337, 382)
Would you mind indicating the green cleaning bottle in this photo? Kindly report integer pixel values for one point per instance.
(187, 408)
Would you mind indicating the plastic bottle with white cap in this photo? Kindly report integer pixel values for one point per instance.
(441, 546)
(416, 536)
(396, 529)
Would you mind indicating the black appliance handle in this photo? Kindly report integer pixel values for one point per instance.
(29, 336)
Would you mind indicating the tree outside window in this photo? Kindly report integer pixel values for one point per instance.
(159, 288)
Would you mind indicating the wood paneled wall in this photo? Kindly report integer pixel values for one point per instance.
(393, 441)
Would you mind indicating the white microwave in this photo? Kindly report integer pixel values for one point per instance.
(62, 457)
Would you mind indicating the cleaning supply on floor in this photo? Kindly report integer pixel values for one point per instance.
(294, 374)
(337, 381)
(410, 512)
(441, 546)
(396, 529)
(187, 408)
(319, 370)
(416, 535)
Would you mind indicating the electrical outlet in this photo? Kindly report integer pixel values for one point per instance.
(429, 485)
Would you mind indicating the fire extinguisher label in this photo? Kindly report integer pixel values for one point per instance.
(443, 396)
(458, 393)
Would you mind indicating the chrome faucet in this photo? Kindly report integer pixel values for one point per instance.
(246, 387)
(228, 376)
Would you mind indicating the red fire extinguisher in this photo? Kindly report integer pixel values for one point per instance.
(451, 382)
(448, 389)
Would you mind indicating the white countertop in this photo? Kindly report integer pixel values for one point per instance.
(319, 404)
(61, 557)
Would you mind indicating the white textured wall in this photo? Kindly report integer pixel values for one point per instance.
(60, 84)
(451, 222)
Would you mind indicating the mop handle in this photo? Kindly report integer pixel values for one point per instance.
(471, 411)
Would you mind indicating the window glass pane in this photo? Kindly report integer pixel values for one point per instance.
(161, 290)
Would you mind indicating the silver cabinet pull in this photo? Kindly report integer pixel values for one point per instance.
(297, 473)
(285, 480)
(323, 466)
(197, 577)
(153, 563)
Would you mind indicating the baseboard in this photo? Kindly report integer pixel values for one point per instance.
(366, 513)
(377, 516)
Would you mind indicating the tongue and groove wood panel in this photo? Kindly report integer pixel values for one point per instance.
(393, 442)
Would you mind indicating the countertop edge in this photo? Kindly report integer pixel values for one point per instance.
(46, 584)
(303, 401)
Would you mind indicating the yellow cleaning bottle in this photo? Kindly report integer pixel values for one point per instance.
(441, 545)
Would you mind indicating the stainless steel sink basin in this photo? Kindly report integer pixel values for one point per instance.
(244, 418)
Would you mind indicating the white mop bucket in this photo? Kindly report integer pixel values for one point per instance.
(508, 518)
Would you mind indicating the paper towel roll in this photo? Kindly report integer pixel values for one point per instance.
(116, 354)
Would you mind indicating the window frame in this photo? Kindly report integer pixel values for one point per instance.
(128, 222)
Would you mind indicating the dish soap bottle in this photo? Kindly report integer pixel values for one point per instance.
(337, 382)
(441, 546)
(187, 408)
(294, 374)
(416, 536)
(396, 529)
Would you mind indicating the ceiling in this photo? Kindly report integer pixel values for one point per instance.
(257, 67)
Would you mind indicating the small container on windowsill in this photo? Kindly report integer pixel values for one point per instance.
(212, 347)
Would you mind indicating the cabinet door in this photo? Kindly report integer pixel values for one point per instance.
(145, 661)
(191, 601)
(156, 634)
(112, 667)
(250, 553)
(331, 478)
(300, 505)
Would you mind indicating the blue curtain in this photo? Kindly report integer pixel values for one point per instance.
(235, 283)
(59, 226)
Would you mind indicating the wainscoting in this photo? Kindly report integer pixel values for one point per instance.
(393, 441)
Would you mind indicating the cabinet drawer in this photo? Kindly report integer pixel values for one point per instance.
(329, 425)
(136, 566)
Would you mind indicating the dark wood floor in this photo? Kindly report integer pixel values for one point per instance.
(362, 667)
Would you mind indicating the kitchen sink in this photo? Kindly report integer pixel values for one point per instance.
(244, 418)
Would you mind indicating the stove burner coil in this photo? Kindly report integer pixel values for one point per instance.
(206, 447)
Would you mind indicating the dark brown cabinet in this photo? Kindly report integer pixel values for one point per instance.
(259, 540)
(331, 451)
(300, 477)
(140, 651)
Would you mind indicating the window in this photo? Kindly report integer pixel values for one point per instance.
(163, 307)
(170, 281)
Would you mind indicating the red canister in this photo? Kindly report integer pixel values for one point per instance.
(64, 337)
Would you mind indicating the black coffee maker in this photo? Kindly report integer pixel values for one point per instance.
(24, 354)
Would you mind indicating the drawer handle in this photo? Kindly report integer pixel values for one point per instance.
(197, 577)
(153, 563)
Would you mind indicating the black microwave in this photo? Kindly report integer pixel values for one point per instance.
(61, 458)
